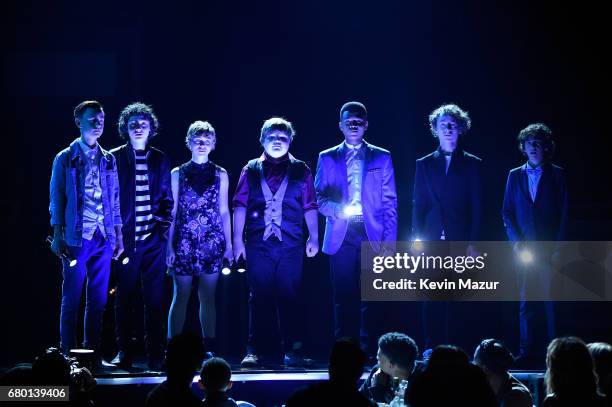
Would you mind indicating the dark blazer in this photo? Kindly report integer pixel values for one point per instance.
(544, 219)
(447, 201)
(378, 196)
(159, 188)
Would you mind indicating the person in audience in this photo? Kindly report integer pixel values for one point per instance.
(449, 379)
(396, 357)
(601, 353)
(183, 357)
(346, 364)
(18, 375)
(570, 378)
(495, 359)
(215, 381)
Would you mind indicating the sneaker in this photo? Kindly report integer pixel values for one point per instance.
(122, 361)
(250, 360)
(294, 359)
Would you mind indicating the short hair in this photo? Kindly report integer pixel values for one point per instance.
(198, 128)
(355, 108)
(447, 355)
(454, 111)
(81, 107)
(137, 109)
(538, 131)
(569, 368)
(494, 355)
(276, 124)
(399, 348)
(215, 374)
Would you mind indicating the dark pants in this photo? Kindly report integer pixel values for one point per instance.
(274, 273)
(351, 315)
(145, 271)
(93, 263)
(537, 318)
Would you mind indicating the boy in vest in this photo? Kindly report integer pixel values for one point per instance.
(275, 194)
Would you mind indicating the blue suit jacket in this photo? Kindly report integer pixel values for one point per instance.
(447, 201)
(544, 219)
(378, 196)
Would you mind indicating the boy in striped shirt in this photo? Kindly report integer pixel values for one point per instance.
(146, 205)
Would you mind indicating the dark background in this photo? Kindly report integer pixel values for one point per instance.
(237, 63)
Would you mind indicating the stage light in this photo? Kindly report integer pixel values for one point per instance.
(71, 262)
(417, 244)
(350, 210)
(526, 256)
(226, 270)
(241, 265)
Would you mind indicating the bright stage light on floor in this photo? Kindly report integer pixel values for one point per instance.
(526, 256)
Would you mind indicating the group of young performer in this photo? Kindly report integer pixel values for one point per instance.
(128, 202)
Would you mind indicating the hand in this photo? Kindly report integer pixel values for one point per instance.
(229, 254)
(312, 246)
(239, 249)
(59, 246)
(380, 378)
(118, 248)
(170, 256)
(472, 251)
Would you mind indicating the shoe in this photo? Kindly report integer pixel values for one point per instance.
(100, 365)
(250, 360)
(122, 361)
(294, 359)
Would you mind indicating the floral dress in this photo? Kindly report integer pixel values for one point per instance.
(199, 242)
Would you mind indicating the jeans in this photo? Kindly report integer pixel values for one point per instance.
(93, 267)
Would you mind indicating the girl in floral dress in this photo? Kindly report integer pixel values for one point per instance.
(199, 237)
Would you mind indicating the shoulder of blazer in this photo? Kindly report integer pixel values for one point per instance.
(471, 157)
(376, 150)
(330, 151)
(429, 157)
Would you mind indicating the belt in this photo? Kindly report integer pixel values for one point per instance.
(356, 219)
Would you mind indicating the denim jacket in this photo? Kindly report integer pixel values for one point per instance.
(67, 192)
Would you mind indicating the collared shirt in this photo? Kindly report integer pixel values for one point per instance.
(274, 172)
(354, 157)
(533, 177)
(93, 211)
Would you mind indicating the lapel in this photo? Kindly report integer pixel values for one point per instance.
(544, 179)
(341, 169)
(524, 184)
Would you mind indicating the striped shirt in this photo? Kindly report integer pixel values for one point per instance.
(144, 217)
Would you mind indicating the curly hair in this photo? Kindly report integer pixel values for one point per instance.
(276, 124)
(569, 368)
(454, 111)
(199, 128)
(537, 131)
(141, 110)
(399, 348)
